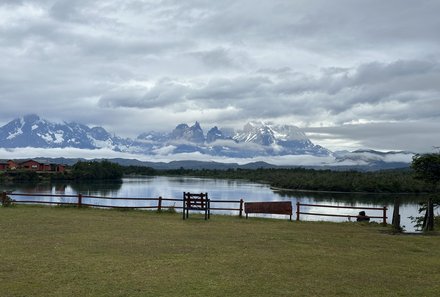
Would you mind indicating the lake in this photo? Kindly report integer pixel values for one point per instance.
(220, 189)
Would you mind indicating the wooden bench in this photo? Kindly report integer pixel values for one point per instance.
(274, 207)
(199, 202)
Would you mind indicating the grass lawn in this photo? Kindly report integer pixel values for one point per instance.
(53, 251)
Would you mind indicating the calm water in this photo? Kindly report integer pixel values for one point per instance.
(218, 189)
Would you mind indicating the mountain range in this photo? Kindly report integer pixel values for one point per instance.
(255, 139)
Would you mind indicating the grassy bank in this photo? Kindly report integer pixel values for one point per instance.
(88, 252)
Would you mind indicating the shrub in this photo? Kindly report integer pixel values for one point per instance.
(7, 201)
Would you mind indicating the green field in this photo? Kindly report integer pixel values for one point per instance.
(54, 251)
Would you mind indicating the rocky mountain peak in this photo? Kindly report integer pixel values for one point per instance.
(214, 134)
(187, 133)
(256, 132)
(179, 131)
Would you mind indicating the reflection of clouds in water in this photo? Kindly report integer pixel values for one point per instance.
(217, 189)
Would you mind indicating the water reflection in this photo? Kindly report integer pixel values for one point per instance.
(107, 189)
(173, 187)
(354, 198)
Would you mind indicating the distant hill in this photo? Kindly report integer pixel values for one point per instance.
(197, 165)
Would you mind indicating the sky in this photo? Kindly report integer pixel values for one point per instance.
(352, 74)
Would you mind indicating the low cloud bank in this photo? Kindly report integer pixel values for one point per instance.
(291, 160)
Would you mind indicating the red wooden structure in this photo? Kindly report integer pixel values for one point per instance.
(272, 207)
(32, 165)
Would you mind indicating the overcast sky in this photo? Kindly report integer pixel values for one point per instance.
(352, 74)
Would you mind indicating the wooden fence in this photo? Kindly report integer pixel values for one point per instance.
(383, 215)
(161, 204)
(164, 203)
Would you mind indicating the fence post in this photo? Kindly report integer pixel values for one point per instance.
(3, 198)
(396, 215)
(428, 222)
(80, 200)
(159, 204)
(297, 210)
(241, 209)
(431, 214)
(384, 215)
(184, 204)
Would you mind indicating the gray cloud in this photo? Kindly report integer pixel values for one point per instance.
(311, 63)
(164, 92)
(218, 58)
(410, 135)
(398, 90)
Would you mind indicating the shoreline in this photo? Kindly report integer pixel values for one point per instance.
(276, 189)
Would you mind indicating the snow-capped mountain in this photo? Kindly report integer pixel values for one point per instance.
(280, 139)
(255, 139)
(32, 131)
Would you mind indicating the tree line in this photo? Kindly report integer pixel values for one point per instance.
(83, 170)
(389, 181)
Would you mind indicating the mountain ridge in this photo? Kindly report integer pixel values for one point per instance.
(212, 165)
(255, 139)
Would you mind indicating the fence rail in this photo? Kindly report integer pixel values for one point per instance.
(299, 212)
(79, 201)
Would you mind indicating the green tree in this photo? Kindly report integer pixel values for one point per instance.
(427, 169)
(104, 170)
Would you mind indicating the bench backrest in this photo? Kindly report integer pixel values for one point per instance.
(274, 207)
(195, 201)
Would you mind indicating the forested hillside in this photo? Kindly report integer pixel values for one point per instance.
(387, 181)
